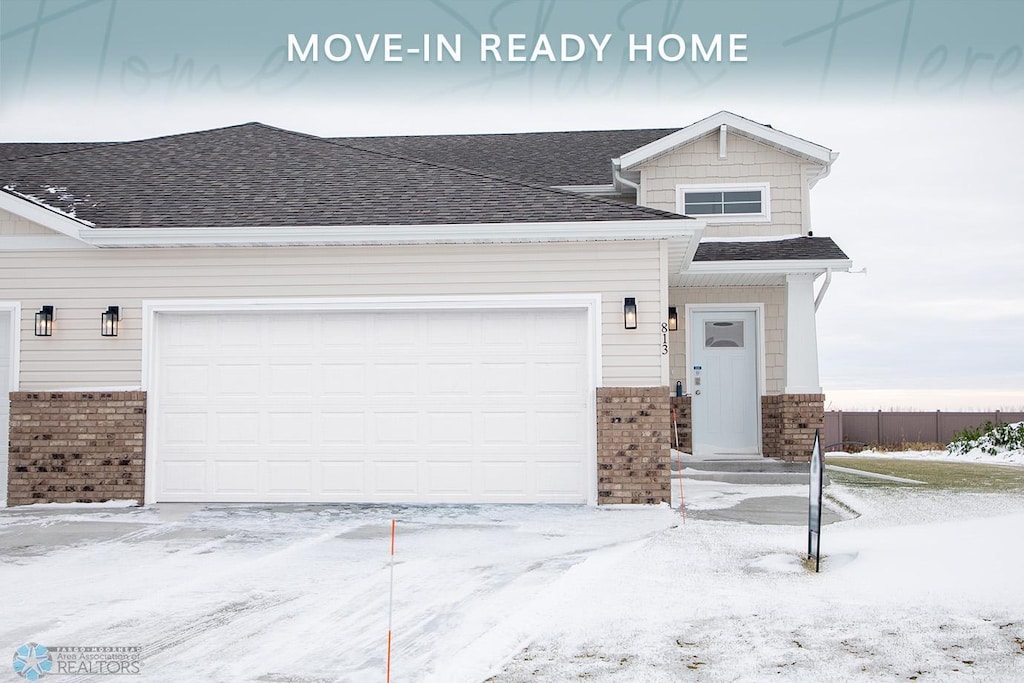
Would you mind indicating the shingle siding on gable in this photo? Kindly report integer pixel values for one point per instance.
(16, 225)
(748, 161)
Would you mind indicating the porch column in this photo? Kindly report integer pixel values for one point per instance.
(801, 336)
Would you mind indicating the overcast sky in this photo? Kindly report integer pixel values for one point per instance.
(926, 195)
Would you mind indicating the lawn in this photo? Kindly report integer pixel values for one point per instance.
(955, 476)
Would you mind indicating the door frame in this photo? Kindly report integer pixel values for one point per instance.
(758, 310)
(589, 303)
(13, 311)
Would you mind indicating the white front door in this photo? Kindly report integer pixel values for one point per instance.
(723, 382)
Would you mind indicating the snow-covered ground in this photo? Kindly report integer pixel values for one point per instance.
(922, 584)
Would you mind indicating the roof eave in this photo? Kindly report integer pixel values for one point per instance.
(392, 235)
(712, 123)
(768, 266)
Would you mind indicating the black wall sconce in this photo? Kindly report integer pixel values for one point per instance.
(44, 322)
(109, 320)
(629, 312)
(673, 319)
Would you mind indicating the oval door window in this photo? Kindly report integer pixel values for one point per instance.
(723, 334)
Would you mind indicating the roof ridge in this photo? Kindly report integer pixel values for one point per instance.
(499, 178)
(119, 143)
(85, 146)
(481, 174)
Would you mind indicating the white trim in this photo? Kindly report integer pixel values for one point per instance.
(765, 215)
(767, 266)
(591, 303)
(594, 190)
(762, 382)
(723, 141)
(380, 235)
(13, 309)
(40, 243)
(37, 213)
(767, 134)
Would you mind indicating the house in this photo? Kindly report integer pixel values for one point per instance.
(250, 314)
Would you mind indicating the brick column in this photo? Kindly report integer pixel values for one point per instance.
(788, 422)
(633, 425)
(684, 423)
(76, 447)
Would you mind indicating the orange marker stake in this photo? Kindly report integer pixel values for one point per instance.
(391, 596)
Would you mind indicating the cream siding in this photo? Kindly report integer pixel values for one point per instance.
(82, 283)
(747, 161)
(16, 225)
(774, 300)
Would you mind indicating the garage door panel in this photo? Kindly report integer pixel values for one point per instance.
(395, 379)
(184, 477)
(236, 476)
(236, 379)
(391, 477)
(289, 477)
(342, 477)
(343, 427)
(343, 379)
(349, 414)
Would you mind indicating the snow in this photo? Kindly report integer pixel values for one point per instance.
(83, 506)
(63, 195)
(921, 581)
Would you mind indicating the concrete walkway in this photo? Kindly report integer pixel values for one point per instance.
(780, 510)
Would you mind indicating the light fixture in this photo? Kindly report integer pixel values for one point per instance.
(629, 312)
(673, 319)
(109, 320)
(44, 322)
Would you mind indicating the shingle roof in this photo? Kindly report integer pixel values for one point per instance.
(257, 175)
(20, 150)
(567, 158)
(795, 249)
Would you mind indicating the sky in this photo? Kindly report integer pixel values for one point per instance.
(919, 98)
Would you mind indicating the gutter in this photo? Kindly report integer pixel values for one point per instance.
(619, 180)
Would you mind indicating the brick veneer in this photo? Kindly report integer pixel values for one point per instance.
(70, 447)
(684, 423)
(633, 425)
(788, 422)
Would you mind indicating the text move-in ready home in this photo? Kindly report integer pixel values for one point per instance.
(250, 314)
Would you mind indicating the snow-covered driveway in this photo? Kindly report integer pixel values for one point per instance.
(923, 585)
(293, 593)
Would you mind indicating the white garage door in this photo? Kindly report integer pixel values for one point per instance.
(419, 406)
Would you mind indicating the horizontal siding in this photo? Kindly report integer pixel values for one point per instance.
(82, 283)
(16, 225)
(773, 298)
(748, 161)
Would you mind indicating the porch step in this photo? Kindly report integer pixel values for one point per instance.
(744, 471)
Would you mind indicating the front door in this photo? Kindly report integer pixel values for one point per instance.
(723, 383)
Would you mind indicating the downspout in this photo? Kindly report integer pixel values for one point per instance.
(618, 179)
(824, 288)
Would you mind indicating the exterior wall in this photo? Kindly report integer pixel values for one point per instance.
(81, 283)
(683, 414)
(16, 225)
(632, 445)
(76, 447)
(747, 161)
(773, 298)
(788, 422)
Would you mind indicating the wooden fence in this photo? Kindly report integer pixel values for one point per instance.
(890, 428)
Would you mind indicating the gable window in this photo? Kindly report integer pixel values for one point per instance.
(747, 202)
